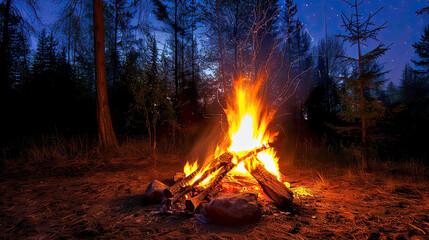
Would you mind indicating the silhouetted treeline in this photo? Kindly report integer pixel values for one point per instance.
(165, 75)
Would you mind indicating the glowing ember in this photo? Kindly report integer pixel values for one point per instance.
(248, 116)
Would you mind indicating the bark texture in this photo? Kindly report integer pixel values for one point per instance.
(106, 134)
(276, 190)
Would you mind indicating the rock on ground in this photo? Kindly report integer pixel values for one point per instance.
(154, 193)
(233, 211)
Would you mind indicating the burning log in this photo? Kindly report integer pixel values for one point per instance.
(193, 203)
(188, 189)
(185, 182)
(277, 191)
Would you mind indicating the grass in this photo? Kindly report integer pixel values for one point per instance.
(322, 180)
(48, 149)
(57, 150)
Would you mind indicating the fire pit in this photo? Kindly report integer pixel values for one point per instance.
(244, 154)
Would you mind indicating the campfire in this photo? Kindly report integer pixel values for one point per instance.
(246, 152)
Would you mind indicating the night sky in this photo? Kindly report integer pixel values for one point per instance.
(404, 27)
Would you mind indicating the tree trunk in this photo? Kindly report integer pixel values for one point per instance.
(364, 161)
(106, 134)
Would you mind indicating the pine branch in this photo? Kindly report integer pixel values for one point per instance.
(376, 53)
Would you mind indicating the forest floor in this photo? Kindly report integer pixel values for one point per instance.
(104, 201)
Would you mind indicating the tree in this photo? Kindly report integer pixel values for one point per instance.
(170, 15)
(287, 82)
(118, 30)
(411, 124)
(11, 18)
(423, 10)
(230, 33)
(106, 134)
(422, 49)
(75, 25)
(300, 45)
(18, 52)
(290, 22)
(323, 103)
(359, 104)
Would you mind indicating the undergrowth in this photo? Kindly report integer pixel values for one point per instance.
(57, 150)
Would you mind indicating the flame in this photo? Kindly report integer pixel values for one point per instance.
(248, 116)
(188, 169)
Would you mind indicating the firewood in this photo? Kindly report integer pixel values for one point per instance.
(277, 191)
(190, 188)
(177, 196)
(183, 183)
(179, 185)
(193, 203)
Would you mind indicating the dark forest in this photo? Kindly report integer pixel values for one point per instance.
(117, 93)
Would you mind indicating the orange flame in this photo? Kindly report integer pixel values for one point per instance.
(248, 116)
(188, 169)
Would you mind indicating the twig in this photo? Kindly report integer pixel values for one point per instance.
(424, 233)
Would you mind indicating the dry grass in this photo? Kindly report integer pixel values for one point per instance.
(322, 180)
(50, 150)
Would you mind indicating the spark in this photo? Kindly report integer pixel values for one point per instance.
(308, 32)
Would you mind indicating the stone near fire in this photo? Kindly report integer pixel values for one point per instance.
(233, 211)
(154, 193)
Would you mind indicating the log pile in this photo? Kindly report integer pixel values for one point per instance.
(222, 165)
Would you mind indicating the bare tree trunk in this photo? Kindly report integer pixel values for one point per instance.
(364, 161)
(106, 134)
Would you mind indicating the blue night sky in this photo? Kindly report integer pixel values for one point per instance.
(404, 27)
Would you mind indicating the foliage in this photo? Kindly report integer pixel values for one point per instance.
(360, 105)
(323, 104)
(422, 49)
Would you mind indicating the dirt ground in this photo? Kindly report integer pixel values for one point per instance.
(105, 202)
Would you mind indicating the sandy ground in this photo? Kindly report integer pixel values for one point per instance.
(105, 202)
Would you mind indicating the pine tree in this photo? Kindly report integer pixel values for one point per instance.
(412, 124)
(11, 17)
(300, 47)
(74, 24)
(170, 16)
(118, 30)
(422, 49)
(18, 51)
(414, 89)
(290, 10)
(360, 106)
(323, 103)
(231, 33)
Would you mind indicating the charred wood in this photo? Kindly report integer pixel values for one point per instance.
(277, 191)
(182, 184)
(193, 203)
